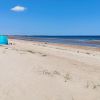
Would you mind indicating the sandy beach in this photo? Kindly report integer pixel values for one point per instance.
(42, 71)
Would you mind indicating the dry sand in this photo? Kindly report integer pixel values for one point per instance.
(40, 71)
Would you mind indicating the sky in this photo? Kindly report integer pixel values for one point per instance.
(50, 17)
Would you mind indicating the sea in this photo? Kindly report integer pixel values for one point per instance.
(92, 41)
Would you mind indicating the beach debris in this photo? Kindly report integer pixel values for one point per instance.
(67, 77)
(44, 55)
(78, 52)
(92, 85)
(56, 72)
(46, 72)
(45, 43)
(88, 53)
(6, 48)
(30, 51)
(50, 73)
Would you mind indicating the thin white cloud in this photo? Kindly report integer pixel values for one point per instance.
(18, 9)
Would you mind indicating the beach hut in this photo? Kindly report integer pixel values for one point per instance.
(3, 40)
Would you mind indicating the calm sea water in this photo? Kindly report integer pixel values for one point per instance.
(93, 41)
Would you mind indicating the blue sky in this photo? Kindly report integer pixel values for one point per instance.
(50, 17)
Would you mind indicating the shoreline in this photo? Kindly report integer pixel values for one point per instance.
(73, 40)
(63, 45)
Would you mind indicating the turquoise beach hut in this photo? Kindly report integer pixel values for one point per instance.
(3, 40)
